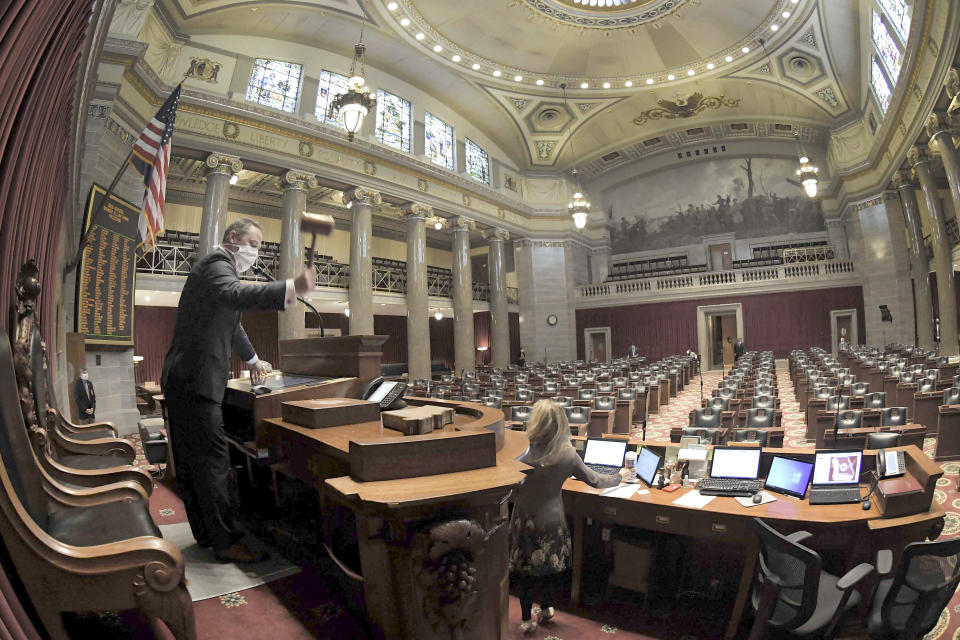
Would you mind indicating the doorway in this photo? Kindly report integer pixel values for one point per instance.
(843, 328)
(718, 327)
(596, 342)
(721, 258)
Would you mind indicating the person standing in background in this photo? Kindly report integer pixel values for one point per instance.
(738, 349)
(85, 397)
(522, 358)
(633, 352)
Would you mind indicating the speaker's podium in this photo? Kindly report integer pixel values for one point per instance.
(312, 368)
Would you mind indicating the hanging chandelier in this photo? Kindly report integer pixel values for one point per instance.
(807, 171)
(353, 105)
(579, 208)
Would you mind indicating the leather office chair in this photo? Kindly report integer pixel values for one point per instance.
(759, 418)
(951, 395)
(908, 378)
(764, 402)
(605, 403)
(586, 394)
(589, 379)
(908, 604)
(578, 417)
(822, 393)
(793, 593)
(153, 437)
(875, 400)
(719, 404)
(419, 383)
(524, 395)
(634, 376)
(893, 417)
(846, 380)
(763, 390)
(706, 417)
(882, 440)
(849, 419)
(446, 379)
(495, 393)
(619, 383)
(550, 388)
(760, 436)
(627, 393)
(563, 401)
(727, 393)
(493, 401)
(522, 378)
(604, 387)
(859, 388)
(838, 403)
(927, 385)
(956, 380)
(498, 383)
(470, 389)
(931, 374)
(707, 435)
(520, 413)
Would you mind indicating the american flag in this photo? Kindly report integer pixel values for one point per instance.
(151, 158)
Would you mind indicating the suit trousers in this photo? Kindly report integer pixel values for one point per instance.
(202, 458)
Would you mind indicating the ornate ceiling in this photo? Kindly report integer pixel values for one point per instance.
(635, 71)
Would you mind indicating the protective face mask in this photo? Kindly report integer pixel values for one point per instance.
(246, 256)
(84, 376)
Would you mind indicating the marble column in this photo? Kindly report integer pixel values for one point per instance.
(418, 302)
(295, 185)
(361, 202)
(499, 315)
(838, 237)
(942, 251)
(464, 347)
(922, 300)
(213, 222)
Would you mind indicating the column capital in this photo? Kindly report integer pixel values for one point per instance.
(903, 180)
(223, 164)
(935, 126)
(362, 195)
(918, 154)
(416, 210)
(952, 83)
(460, 223)
(495, 235)
(298, 180)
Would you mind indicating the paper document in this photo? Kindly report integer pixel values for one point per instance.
(692, 454)
(693, 499)
(623, 491)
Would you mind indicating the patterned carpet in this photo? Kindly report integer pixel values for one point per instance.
(312, 605)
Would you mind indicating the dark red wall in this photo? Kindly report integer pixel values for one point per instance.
(779, 322)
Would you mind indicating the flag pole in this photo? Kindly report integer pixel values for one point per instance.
(85, 239)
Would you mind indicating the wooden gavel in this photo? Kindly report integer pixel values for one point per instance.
(314, 223)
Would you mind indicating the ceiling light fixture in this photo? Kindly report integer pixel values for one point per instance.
(628, 83)
(539, 82)
(710, 66)
(729, 58)
(649, 80)
(807, 172)
(234, 179)
(745, 50)
(497, 73)
(475, 67)
(456, 58)
(579, 208)
(420, 35)
(438, 315)
(405, 22)
(346, 312)
(606, 85)
(774, 27)
(353, 105)
(392, 6)
(584, 85)
(518, 78)
(690, 72)
(437, 48)
(671, 77)
(785, 14)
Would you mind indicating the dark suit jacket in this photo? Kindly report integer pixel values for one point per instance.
(739, 349)
(208, 325)
(83, 401)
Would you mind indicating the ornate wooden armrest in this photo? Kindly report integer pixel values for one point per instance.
(98, 447)
(91, 496)
(83, 428)
(99, 477)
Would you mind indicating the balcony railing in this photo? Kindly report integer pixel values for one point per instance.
(177, 260)
(788, 273)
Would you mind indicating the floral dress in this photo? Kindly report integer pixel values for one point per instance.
(539, 539)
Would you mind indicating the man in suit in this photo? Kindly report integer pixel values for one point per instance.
(195, 374)
(738, 349)
(633, 352)
(85, 398)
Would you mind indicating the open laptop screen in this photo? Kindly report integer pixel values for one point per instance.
(735, 463)
(608, 452)
(837, 467)
(789, 476)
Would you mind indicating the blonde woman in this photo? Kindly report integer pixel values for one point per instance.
(539, 541)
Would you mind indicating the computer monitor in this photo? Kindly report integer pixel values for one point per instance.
(735, 462)
(647, 464)
(606, 452)
(789, 476)
(836, 468)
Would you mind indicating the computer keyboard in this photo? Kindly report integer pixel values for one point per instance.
(847, 495)
(604, 470)
(729, 487)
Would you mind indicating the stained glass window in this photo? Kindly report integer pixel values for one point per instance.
(439, 141)
(887, 46)
(393, 120)
(899, 14)
(880, 86)
(275, 83)
(477, 161)
(331, 85)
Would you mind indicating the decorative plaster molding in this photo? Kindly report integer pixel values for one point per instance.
(462, 224)
(363, 196)
(903, 180)
(416, 210)
(222, 163)
(298, 180)
(495, 235)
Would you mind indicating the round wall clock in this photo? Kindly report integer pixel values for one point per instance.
(552, 320)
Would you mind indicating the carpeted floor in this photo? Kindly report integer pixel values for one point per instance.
(311, 603)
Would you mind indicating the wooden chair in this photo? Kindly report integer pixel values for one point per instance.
(100, 557)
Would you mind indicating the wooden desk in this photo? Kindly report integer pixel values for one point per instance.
(624, 417)
(925, 409)
(399, 521)
(723, 520)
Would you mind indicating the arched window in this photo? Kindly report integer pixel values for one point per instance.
(331, 85)
(438, 141)
(477, 161)
(275, 83)
(880, 86)
(886, 45)
(393, 121)
(899, 14)
(889, 30)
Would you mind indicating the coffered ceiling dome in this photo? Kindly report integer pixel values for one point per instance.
(596, 42)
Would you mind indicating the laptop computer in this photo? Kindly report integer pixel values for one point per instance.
(789, 476)
(836, 477)
(605, 456)
(647, 464)
(733, 472)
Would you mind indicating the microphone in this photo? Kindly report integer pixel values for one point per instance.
(260, 271)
